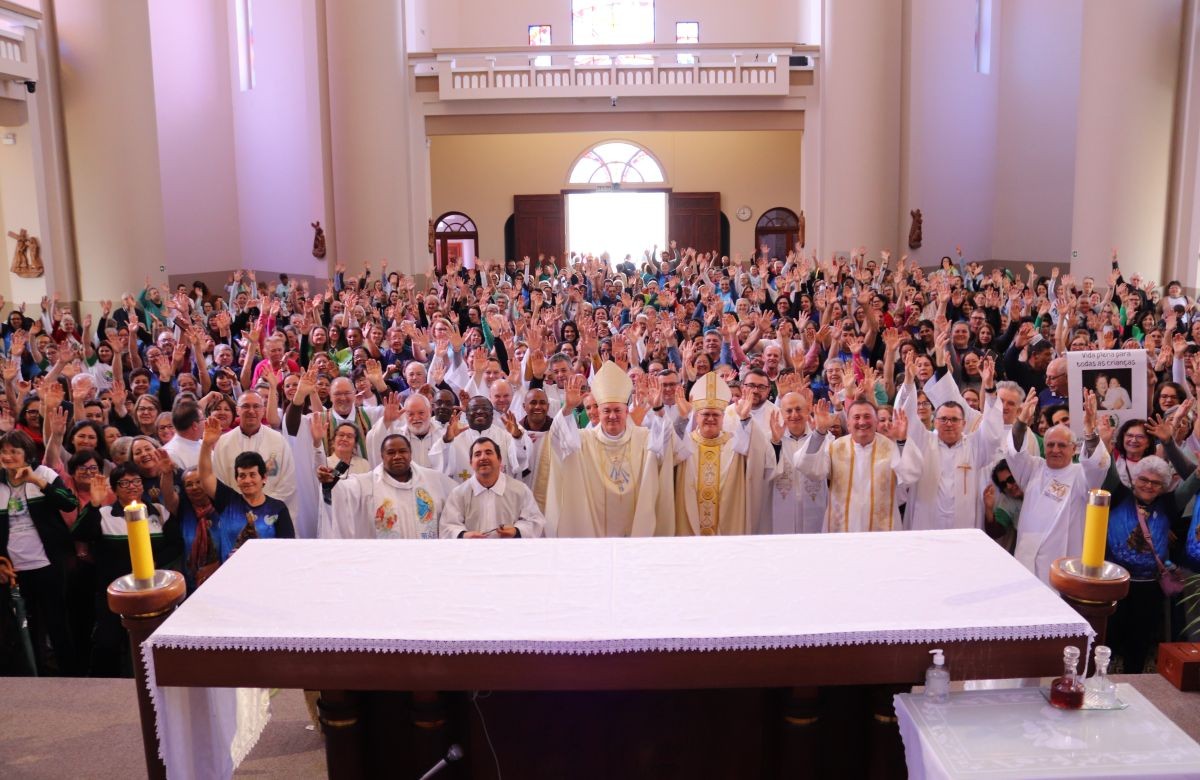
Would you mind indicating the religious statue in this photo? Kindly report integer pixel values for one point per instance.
(802, 225)
(318, 240)
(27, 257)
(914, 233)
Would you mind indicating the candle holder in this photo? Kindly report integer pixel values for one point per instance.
(143, 605)
(1093, 592)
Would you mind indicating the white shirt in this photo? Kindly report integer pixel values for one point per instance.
(185, 453)
(473, 507)
(25, 548)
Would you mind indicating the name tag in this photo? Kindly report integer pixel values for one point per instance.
(1056, 490)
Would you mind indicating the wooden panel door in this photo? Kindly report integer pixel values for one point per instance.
(539, 226)
(694, 220)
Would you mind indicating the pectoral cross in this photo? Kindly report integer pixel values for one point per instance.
(966, 467)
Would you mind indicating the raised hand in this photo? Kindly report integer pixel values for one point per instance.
(510, 424)
(987, 372)
(1028, 407)
(777, 427)
(899, 425)
(454, 428)
(391, 410)
(823, 417)
(319, 425)
(573, 394)
(1089, 413)
(212, 432)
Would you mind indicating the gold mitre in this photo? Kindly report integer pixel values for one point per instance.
(710, 392)
(610, 385)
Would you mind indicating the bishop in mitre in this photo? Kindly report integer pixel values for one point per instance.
(716, 482)
(615, 478)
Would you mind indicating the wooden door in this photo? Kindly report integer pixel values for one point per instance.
(694, 220)
(539, 226)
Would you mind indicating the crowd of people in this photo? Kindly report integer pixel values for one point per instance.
(685, 394)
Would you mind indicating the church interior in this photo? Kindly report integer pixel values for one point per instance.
(789, 272)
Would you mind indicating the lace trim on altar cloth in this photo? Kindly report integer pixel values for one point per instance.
(610, 646)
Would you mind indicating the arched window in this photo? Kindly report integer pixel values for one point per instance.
(779, 229)
(616, 162)
(455, 238)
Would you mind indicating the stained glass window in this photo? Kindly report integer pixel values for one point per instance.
(539, 35)
(607, 22)
(616, 162)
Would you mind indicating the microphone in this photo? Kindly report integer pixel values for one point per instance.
(453, 754)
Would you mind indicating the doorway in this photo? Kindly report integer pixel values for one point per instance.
(779, 229)
(455, 238)
(620, 224)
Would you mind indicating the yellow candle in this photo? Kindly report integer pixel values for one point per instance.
(1095, 531)
(140, 554)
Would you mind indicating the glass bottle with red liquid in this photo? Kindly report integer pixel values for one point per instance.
(1066, 692)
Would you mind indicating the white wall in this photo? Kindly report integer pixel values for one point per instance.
(1037, 62)
(1124, 146)
(950, 112)
(19, 209)
(277, 132)
(194, 111)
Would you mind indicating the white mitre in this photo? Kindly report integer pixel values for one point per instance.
(710, 392)
(611, 385)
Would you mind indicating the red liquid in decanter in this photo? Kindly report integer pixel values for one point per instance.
(1066, 693)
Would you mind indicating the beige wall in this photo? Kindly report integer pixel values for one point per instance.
(19, 209)
(1124, 146)
(479, 174)
(860, 108)
(112, 143)
(194, 113)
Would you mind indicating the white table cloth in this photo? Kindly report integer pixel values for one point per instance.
(1015, 733)
(585, 596)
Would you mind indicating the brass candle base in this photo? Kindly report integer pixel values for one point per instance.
(1092, 593)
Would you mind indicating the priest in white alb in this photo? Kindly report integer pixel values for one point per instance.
(450, 453)
(395, 500)
(863, 468)
(798, 502)
(954, 469)
(715, 482)
(491, 503)
(414, 421)
(1055, 488)
(615, 478)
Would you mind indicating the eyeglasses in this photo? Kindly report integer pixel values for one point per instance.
(1154, 483)
(756, 386)
(132, 482)
(1135, 437)
(89, 469)
(949, 420)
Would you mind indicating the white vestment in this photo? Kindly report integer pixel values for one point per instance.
(733, 478)
(454, 459)
(862, 479)
(798, 502)
(949, 493)
(1055, 503)
(377, 506)
(600, 485)
(420, 445)
(473, 507)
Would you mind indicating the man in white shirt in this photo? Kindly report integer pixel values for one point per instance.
(415, 422)
(184, 446)
(490, 502)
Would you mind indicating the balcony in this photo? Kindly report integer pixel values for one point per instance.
(654, 70)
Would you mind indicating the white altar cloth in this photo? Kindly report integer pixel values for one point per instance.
(585, 596)
(1015, 734)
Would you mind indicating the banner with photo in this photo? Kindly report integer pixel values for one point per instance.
(1116, 376)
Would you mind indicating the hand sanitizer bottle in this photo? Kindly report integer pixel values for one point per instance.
(937, 679)
(1100, 691)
